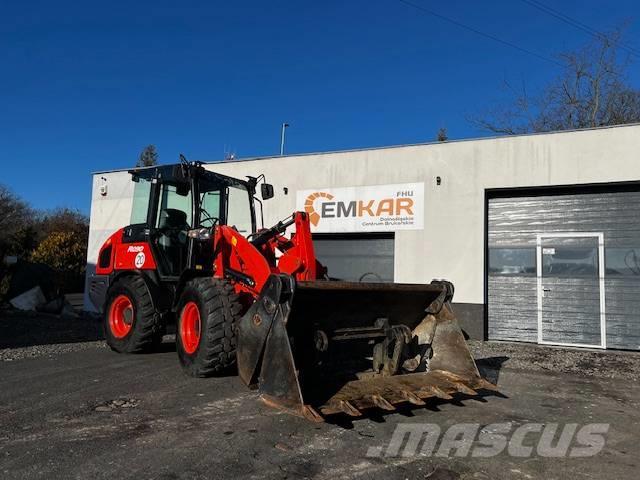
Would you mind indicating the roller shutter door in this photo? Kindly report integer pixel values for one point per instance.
(356, 257)
(565, 269)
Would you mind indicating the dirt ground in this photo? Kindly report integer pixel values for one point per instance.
(78, 410)
(623, 365)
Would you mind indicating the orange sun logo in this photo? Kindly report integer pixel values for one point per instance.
(314, 216)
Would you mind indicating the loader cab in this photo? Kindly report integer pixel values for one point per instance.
(170, 201)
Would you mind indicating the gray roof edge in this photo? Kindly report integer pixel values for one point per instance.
(388, 147)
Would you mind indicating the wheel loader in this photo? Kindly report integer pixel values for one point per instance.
(259, 301)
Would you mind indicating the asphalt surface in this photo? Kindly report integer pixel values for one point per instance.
(92, 413)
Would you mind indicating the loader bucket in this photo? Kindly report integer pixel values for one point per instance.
(321, 348)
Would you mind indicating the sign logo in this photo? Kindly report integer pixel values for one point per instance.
(140, 258)
(354, 209)
(314, 217)
(135, 248)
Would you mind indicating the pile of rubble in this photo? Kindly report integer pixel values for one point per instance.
(34, 287)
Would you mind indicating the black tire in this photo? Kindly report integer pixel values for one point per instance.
(213, 351)
(144, 325)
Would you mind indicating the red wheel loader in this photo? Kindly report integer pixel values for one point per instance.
(260, 301)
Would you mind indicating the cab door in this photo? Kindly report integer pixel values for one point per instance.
(169, 232)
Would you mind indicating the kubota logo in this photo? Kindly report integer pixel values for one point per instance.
(327, 208)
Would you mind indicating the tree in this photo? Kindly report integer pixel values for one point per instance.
(57, 238)
(148, 157)
(442, 135)
(66, 254)
(16, 216)
(64, 220)
(592, 91)
(62, 251)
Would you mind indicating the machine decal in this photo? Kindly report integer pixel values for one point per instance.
(137, 255)
(115, 255)
(139, 261)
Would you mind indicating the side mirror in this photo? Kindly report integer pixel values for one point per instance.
(181, 173)
(266, 191)
(183, 189)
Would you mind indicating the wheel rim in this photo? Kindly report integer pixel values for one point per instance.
(121, 316)
(190, 327)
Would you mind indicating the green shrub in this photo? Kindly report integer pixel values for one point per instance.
(62, 251)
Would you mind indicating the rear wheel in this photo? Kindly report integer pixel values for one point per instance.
(131, 324)
(206, 330)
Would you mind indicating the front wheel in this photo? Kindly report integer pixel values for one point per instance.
(206, 330)
(131, 324)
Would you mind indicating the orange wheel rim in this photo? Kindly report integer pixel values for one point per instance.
(121, 316)
(190, 326)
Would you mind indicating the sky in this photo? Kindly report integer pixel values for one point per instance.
(85, 86)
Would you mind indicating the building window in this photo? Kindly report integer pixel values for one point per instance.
(512, 261)
(569, 261)
(622, 261)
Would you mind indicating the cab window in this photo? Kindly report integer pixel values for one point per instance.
(209, 208)
(239, 209)
(174, 211)
(140, 201)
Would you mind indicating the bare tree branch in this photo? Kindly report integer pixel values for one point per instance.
(592, 91)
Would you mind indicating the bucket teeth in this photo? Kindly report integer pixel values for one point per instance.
(312, 414)
(346, 407)
(486, 385)
(412, 398)
(458, 383)
(438, 392)
(381, 402)
(462, 388)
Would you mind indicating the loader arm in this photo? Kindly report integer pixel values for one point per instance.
(250, 262)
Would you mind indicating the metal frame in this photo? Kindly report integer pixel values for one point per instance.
(601, 273)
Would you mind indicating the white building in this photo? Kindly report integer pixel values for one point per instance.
(540, 234)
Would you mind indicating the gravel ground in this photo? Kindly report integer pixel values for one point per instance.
(24, 329)
(35, 351)
(96, 414)
(528, 357)
(71, 408)
(31, 335)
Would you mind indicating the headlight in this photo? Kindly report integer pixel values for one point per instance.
(200, 234)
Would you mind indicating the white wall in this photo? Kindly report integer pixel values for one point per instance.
(451, 245)
(108, 213)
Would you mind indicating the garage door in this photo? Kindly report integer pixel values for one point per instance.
(565, 268)
(356, 257)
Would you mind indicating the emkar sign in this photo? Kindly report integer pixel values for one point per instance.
(375, 208)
